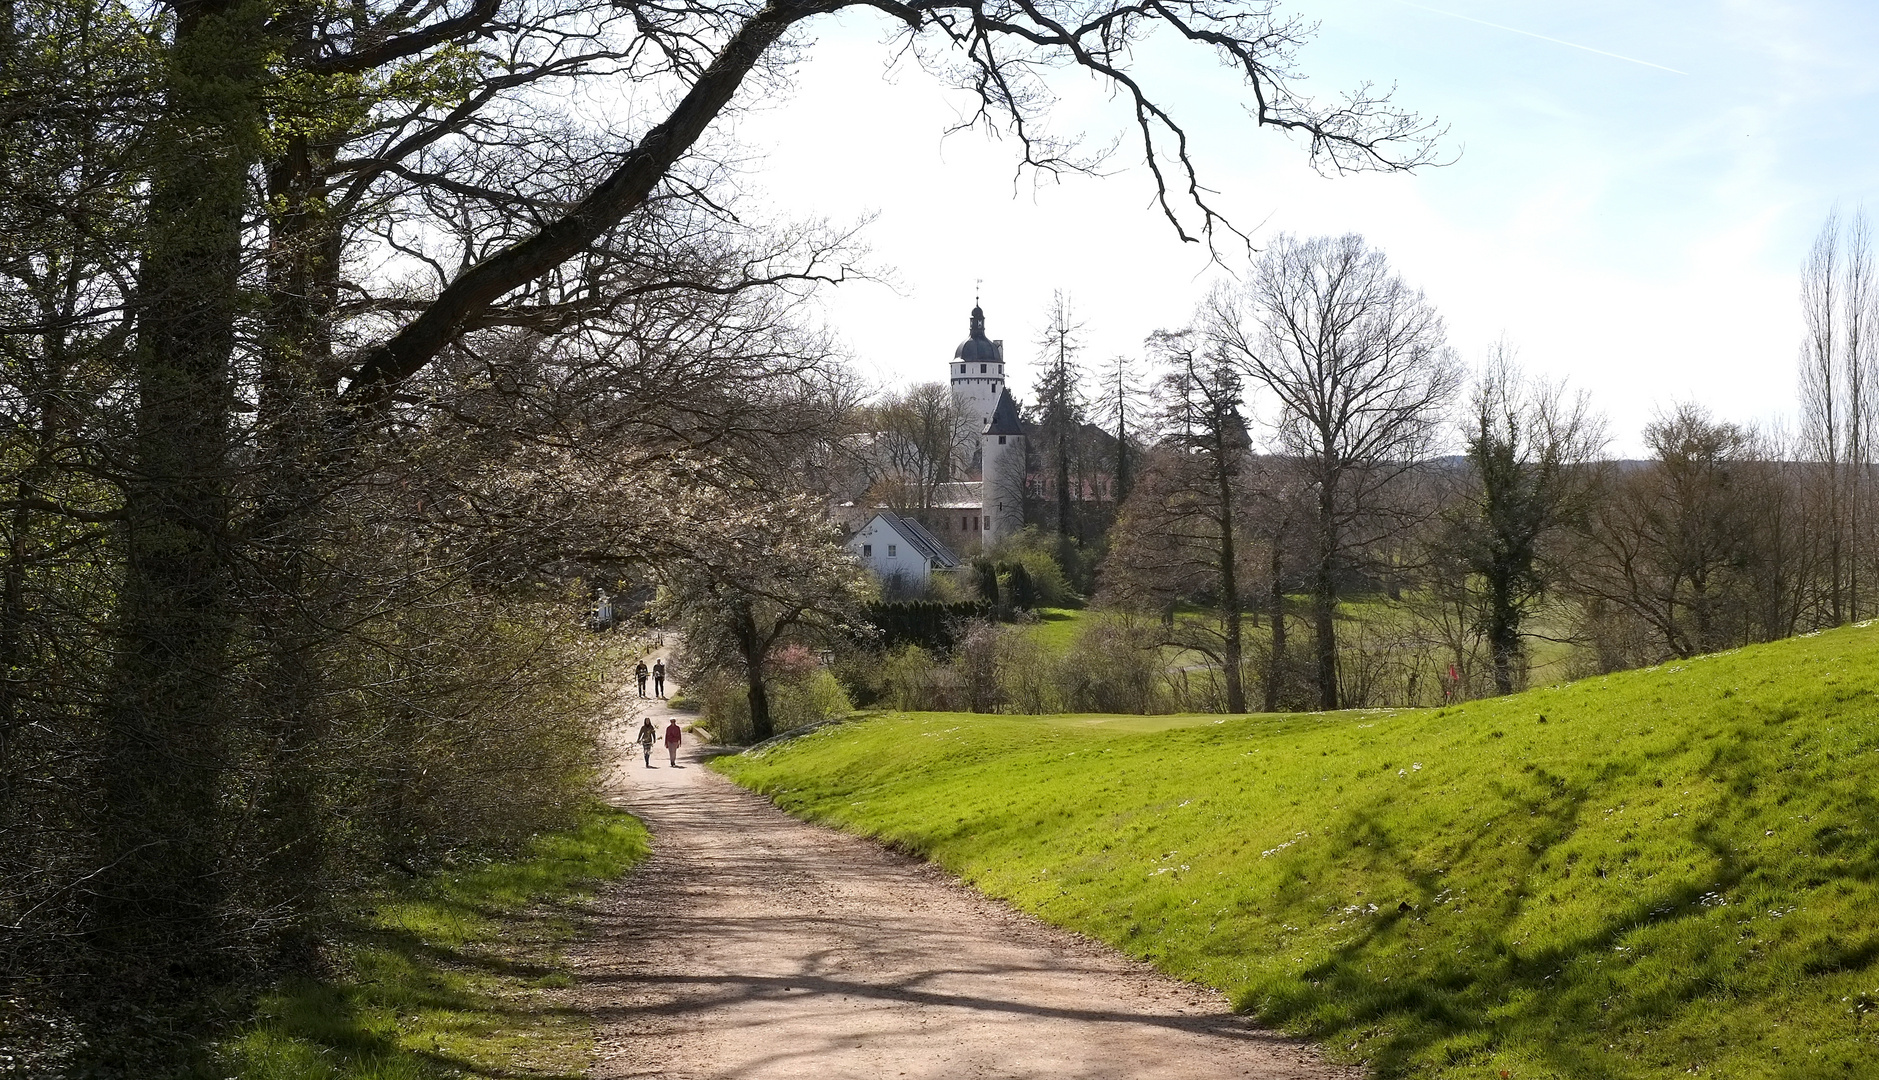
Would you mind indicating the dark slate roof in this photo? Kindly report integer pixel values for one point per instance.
(978, 347)
(1005, 416)
(923, 541)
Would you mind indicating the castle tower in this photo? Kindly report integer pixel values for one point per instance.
(978, 374)
(1002, 450)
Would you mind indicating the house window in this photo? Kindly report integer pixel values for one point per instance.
(867, 549)
(892, 550)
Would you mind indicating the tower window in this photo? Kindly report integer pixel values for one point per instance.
(981, 369)
(1001, 440)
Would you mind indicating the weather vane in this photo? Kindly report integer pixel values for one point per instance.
(978, 286)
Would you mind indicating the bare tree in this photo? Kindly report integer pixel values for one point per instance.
(1354, 365)
(1672, 544)
(1839, 291)
(915, 439)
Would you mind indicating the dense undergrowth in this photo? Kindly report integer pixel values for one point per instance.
(1656, 873)
(453, 975)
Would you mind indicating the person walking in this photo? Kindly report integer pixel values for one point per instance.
(658, 677)
(647, 736)
(672, 736)
(639, 672)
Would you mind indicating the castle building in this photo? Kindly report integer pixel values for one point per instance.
(986, 503)
(989, 504)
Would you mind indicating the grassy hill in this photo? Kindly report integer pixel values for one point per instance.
(1643, 875)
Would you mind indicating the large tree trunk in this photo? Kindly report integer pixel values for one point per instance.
(761, 726)
(295, 387)
(1503, 634)
(756, 650)
(1229, 587)
(1275, 662)
(1324, 599)
(157, 897)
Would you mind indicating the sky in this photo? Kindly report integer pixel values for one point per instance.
(1630, 189)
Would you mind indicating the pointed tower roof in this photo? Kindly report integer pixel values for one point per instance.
(1005, 416)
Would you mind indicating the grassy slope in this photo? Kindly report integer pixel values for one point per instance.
(1630, 876)
(450, 977)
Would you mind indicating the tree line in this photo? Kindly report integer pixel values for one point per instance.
(1307, 498)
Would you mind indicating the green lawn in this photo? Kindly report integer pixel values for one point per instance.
(1641, 875)
(454, 976)
(1056, 628)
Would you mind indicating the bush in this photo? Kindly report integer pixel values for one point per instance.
(1026, 674)
(796, 699)
(913, 680)
(1115, 665)
(1031, 550)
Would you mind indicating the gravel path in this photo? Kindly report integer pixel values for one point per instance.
(754, 946)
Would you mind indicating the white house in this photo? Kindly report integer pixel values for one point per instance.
(900, 551)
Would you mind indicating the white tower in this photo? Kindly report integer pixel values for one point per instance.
(1002, 490)
(978, 374)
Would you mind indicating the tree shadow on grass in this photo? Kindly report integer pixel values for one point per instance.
(1563, 1003)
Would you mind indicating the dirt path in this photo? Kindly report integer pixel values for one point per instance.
(754, 946)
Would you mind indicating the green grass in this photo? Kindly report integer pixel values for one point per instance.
(452, 976)
(1637, 875)
(1056, 628)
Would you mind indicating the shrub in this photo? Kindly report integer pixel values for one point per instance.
(912, 679)
(1115, 665)
(795, 701)
(1031, 550)
(1026, 674)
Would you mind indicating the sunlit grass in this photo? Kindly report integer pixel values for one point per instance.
(1637, 875)
(1056, 628)
(452, 976)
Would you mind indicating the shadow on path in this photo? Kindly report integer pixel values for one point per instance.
(755, 946)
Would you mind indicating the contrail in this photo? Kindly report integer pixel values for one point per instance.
(1542, 37)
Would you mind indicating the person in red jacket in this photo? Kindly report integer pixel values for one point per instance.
(672, 736)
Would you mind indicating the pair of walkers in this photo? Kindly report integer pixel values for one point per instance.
(658, 677)
(647, 736)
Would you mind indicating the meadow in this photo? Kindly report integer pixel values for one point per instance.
(1658, 873)
(452, 975)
